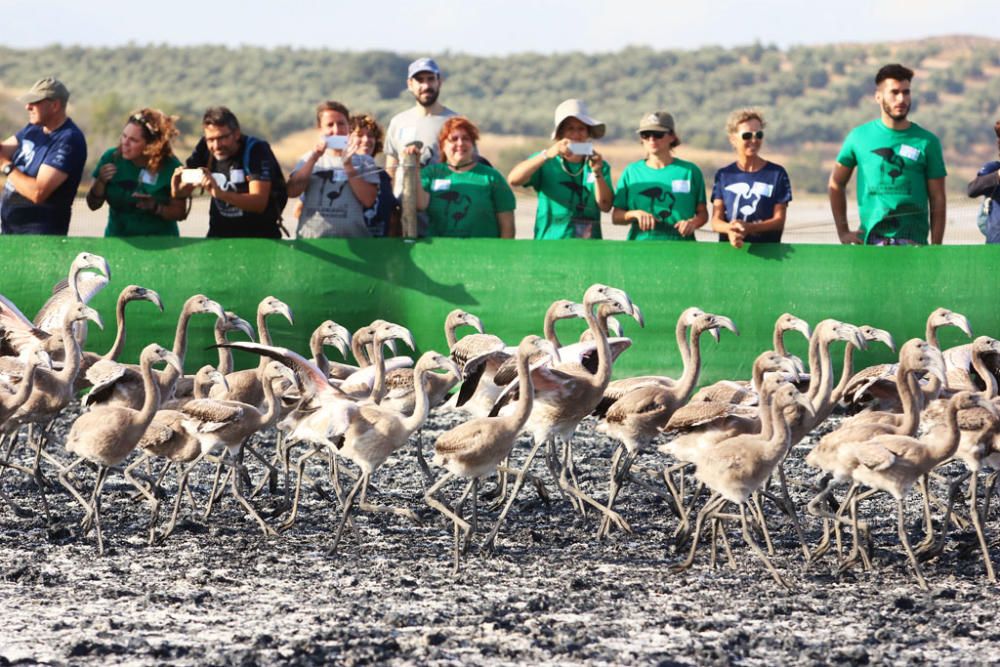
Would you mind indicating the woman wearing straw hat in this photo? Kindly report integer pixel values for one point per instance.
(750, 196)
(572, 179)
(661, 196)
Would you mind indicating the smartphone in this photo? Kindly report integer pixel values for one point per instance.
(337, 142)
(581, 148)
(192, 176)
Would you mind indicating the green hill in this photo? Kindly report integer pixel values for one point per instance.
(811, 95)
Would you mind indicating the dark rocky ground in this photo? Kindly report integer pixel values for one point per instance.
(221, 593)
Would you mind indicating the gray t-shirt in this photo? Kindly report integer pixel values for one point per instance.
(329, 207)
(411, 125)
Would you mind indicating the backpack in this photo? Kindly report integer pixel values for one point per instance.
(279, 188)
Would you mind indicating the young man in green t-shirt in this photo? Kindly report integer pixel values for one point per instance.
(900, 171)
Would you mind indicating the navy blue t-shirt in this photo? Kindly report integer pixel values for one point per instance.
(751, 196)
(993, 224)
(64, 149)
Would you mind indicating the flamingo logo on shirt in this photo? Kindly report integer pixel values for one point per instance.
(748, 197)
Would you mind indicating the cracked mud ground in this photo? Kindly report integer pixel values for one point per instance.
(219, 592)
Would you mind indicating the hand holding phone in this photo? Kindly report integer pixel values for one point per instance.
(337, 142)
(192, 176)
(581, 147)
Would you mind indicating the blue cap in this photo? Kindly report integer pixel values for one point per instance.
(423, 65)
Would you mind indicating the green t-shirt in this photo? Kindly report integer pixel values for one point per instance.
(566, 205)
(124, 218)
(465, 204)
(671, 194)
(893, 169)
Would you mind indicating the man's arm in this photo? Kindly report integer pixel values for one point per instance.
(8, 147)
(837, 189)
(391, 165)
(939, 206)
(37, 189)
(254, 201)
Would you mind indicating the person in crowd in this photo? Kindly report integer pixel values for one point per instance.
(987, 184)
(572, 179)
(900, 171)
(242, 176)
(750, 196)
(337, 180)
(462, 196)
(367, 136)
(43, 164)
(134, 178)
(661, 196)
(422, 122)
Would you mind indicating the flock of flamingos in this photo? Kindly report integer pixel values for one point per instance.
(731, 438)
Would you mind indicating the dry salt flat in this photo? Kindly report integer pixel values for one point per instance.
(219, 592)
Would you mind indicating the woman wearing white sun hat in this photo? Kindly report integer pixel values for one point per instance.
(572, 179)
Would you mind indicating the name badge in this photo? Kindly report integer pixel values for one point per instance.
(407, 134)
(441, 184)
(146, 178)
(681, 186)
(339, 175)
(236, 176)
(761, 189)
(591, 178)
(909, 152)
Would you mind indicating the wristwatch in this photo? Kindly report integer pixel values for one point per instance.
(7, 168)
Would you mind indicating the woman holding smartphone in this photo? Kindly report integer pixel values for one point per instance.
(337, 182)
(662, 196)
(572, 180)
(134, 179)
(750, 196)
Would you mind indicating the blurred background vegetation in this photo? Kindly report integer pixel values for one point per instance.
(811, 95)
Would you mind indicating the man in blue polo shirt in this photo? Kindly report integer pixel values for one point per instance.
(42, 164)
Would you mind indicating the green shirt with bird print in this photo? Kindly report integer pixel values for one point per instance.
(465, 204)
(671, 194)
(893, 169)
(567, 207)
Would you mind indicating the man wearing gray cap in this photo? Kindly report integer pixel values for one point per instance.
(42, 164)
(423, 121)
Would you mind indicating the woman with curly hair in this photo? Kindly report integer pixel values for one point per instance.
(134, 179)
(368, 135)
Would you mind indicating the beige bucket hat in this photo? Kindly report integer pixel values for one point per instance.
(577, 109)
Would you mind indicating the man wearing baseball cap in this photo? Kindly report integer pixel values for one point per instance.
(422, 122)
(42, 164)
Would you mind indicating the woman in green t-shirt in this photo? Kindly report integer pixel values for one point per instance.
(572, 180)
(462, 196)
(134, 179)
(662, 196)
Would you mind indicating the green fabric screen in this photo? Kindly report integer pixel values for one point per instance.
(509, 284)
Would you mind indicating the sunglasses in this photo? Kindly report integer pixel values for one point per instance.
(747, 136)
(652, 134)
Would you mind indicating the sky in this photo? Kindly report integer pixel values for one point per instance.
(490, 28)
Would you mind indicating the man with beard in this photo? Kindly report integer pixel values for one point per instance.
(423, 121)
(242, 176)
(43, 164)
(900, 170)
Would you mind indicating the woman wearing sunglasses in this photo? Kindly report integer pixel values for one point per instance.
(750, 197)
(661, 196)
(134, 179)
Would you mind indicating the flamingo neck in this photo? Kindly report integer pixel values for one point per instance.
(151, 401)
(549, 328)
(319, 356)
(526, 398)
(116, 347)
(692, 369)
(378, 384)
(421, 404)
(603, 375)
